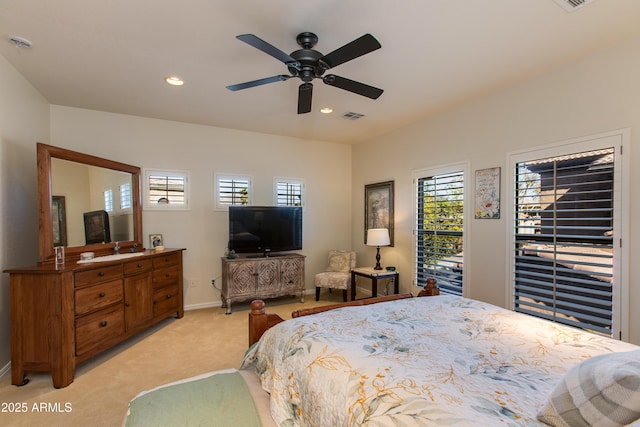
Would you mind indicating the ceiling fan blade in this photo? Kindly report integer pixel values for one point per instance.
(352, 50)
(258, 82)
(352, 86)
(304, 98)
(267, 48)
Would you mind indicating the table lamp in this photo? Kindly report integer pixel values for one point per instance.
(378, 237)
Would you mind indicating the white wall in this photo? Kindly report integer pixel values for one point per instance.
(204, 151)
(597, 94)
(24, 119)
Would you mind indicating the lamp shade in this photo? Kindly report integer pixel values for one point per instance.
(378, 237)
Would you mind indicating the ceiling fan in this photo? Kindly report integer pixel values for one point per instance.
(308, 64)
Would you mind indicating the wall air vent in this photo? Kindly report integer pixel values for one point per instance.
(571, 5)
(352, 116)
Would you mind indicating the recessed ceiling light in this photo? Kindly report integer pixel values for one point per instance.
(326, 110)
(174, 81)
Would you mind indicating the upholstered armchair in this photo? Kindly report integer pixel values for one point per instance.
(337, 275)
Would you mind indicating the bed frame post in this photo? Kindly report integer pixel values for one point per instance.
(260, 321)
(431, 289)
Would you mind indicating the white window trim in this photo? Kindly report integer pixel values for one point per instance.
(468, 208)
(147, 205)
(219, 176)
(617, 139)
(300, 181)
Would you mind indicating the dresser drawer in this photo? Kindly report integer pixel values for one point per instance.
(97, 296)
(98, 275)
(166, 260)
(165, 276)
(135, 267)
(96, 329)
(165, 300)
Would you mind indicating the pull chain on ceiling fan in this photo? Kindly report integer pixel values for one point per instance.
(308, 64)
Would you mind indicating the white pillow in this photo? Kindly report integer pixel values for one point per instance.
(600, 391)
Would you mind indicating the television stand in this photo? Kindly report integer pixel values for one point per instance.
(260, 278)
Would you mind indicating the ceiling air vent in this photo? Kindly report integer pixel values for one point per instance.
(352, 116)
(571, 5)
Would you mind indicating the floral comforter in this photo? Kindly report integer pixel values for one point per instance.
(441, 360)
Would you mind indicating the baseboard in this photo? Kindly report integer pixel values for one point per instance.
(203, 305)
(5, 369)
(219, 303)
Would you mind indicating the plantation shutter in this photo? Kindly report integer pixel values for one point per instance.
(233, 191)
(288, 193)
(564, 215)
(167, 189)
(439, 231)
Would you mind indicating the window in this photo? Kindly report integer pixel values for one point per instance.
(232, 190)
(108, 200)
(166, 190)
(288, 192)
(566, 222)
(125, 196)
(439, 232)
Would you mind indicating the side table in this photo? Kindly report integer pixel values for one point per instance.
(374, 275)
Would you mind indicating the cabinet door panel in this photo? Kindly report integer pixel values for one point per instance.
(292, 275)
(242, 278)
(268, 277)
(138, 300)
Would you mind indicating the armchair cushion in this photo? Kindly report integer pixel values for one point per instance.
(339, 261)
(332, 279)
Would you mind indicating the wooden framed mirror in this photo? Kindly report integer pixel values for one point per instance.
(73, 190)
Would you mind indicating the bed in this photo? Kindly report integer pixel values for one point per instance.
(439, 360)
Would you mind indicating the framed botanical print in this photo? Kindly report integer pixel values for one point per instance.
(378, 207)
(487, 194)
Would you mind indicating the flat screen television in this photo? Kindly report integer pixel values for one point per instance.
(265, 229)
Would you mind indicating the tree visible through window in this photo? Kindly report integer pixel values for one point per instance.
(439, 230)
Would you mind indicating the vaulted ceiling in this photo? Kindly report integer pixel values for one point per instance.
(113, 55)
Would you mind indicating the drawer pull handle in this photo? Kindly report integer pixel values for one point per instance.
(139, 265)
(103, 323)
(102, 294)
(101, 273)
(126, 304)
(168, 296)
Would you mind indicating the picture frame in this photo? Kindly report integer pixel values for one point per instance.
(58, 207)
(378, 207)
(487, 193)
(155, 240)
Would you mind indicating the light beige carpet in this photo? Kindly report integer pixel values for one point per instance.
(202, 341)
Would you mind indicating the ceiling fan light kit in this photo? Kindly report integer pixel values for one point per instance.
(308, 64)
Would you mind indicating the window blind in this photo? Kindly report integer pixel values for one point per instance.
(289, 193)
(125, 196)
(167, 189)
(564, 239)
(233, 191)
(439, 231)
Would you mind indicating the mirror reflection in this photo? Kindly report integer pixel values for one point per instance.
(90, 204)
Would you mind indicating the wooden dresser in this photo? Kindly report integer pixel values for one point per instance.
(63, 316)
(265, 277)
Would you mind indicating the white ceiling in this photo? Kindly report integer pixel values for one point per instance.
(112, 55)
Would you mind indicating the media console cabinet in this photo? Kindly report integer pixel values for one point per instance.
(65, 315)
(260, 278)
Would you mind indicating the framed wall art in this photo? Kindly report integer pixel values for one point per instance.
(378, 207)
(59, 221)
(487, 194)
